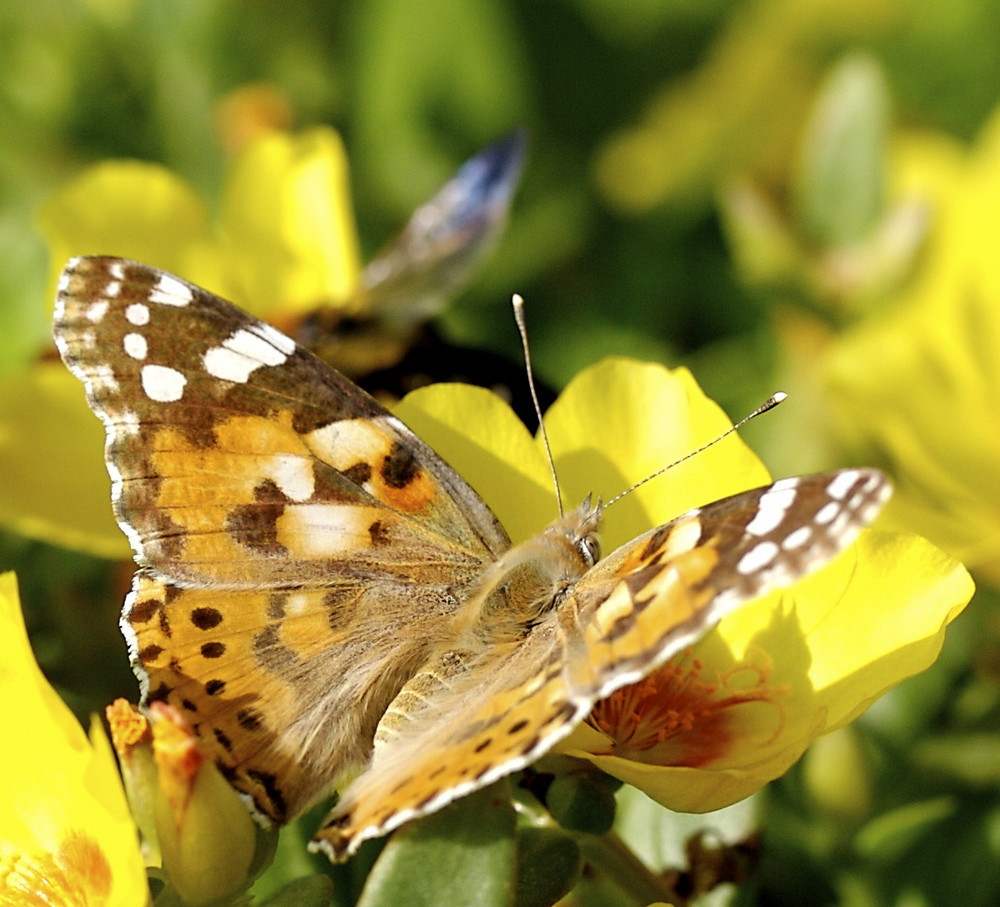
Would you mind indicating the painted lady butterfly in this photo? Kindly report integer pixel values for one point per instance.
(322, 595)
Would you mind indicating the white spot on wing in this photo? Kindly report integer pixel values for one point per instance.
(169, 290)
(325, 530)
(135, 345)
(116, 269)
(771, 510)
(240, 355)
(826, 513)
(293, 475)
(273, 336)
(839, 527)
(162, 383)
(757, 558)
(227, 365)
(797, 538)
(684, 536)
(347, 441)
(113, 289)
(96, 311)
(137, 314)
(842, 483)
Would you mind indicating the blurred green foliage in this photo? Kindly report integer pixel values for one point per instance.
(639, 115)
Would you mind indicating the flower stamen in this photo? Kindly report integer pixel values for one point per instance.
(675, 717)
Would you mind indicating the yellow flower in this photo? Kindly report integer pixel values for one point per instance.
(917, 388)
(285, 241)
(716, 724)
(194, 825)
(66, 836)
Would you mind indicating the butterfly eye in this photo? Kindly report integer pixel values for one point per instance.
(590, 548)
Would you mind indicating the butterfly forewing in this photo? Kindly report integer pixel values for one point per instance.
(239, 458)
(470, 722)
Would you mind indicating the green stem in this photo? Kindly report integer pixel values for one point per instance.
(610, 855)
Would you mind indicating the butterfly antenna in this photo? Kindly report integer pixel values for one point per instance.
(769, 403)
(518, 302)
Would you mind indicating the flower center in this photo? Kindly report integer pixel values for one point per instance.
(675, 717)
(77, 875)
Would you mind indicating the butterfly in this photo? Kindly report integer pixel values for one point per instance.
(325, 598)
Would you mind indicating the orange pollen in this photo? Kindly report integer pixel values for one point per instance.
(76, 875)
(175, 747)
(129, 727)
(674, 717)
(177, 756)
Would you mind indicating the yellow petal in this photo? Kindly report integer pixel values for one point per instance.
(63, 816)
(621, 420)
(52, 490)
(134, 210)
(287, 215)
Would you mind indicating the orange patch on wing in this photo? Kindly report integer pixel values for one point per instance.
(415, 496)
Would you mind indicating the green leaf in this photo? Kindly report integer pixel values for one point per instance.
(892, 833)
(398, 77)
(972, 758)
(549, 863)
(463, 854)
(583, 801)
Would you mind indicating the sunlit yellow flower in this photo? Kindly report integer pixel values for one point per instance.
(716, 724)
(285, 240)
(66, 836)
(918, 387)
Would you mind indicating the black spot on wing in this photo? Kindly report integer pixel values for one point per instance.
(359, 473)
(255, 525)
(276, 605)
(206, 618)
(149, 654)
(378, 533)
(399, 468)
(250, 719)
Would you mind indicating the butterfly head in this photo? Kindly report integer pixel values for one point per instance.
(582, 530)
